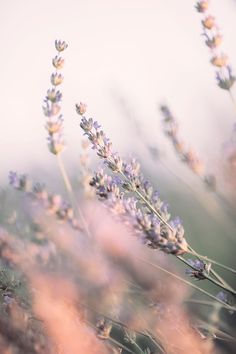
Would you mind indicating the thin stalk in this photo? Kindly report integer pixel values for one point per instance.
(65, 176)
(194, 253)
(110, 339)
(201, 302)
(155, 342)
(214, 273)
(231, 308)
(168, 225)
(122, 325)
(217, 276)
(69, 190)
(232, 99)
(149, 205)
(208, 277)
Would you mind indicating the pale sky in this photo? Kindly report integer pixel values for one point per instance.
(140, 51)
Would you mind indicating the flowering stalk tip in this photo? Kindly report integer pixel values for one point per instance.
(52, 108)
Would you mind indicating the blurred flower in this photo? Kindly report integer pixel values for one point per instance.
(222, 296)
(51, 108)
(52, 202)
(198, 270)
(58, 62)
(171, 129)
(213, 42)
(54, 126)
(209, 22)
(56, 143)
(81, 108)
(20, 182)
(53, 95)
(60, 45)
(104, 328)
(202, 6)
(225, 78)
(220, 61)
(56, 79)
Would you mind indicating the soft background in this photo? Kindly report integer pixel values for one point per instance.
(124, 58)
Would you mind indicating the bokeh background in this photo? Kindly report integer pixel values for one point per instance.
(124, 58)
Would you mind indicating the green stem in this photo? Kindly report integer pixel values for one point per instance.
(231, 308)
(212, 280)
(168, 225)
(69, 190)
(194, 253)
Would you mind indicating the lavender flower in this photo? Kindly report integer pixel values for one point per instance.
(52, 202)
(222, 296)
(81, 108)
(224, 77)
(145, 212)
(56, 79)
(60, 45)
(21, 182)
(52, 108)
(171, 130)
(202, 6)
(58, 62)
(198, 270)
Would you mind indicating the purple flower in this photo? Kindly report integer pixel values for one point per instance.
(198, 270)
(225, 79)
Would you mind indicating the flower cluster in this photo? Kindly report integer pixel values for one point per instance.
(51, 108)
(52, 202)
(131, 197)
(213, 39)
(171, 129)
(189, 157)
